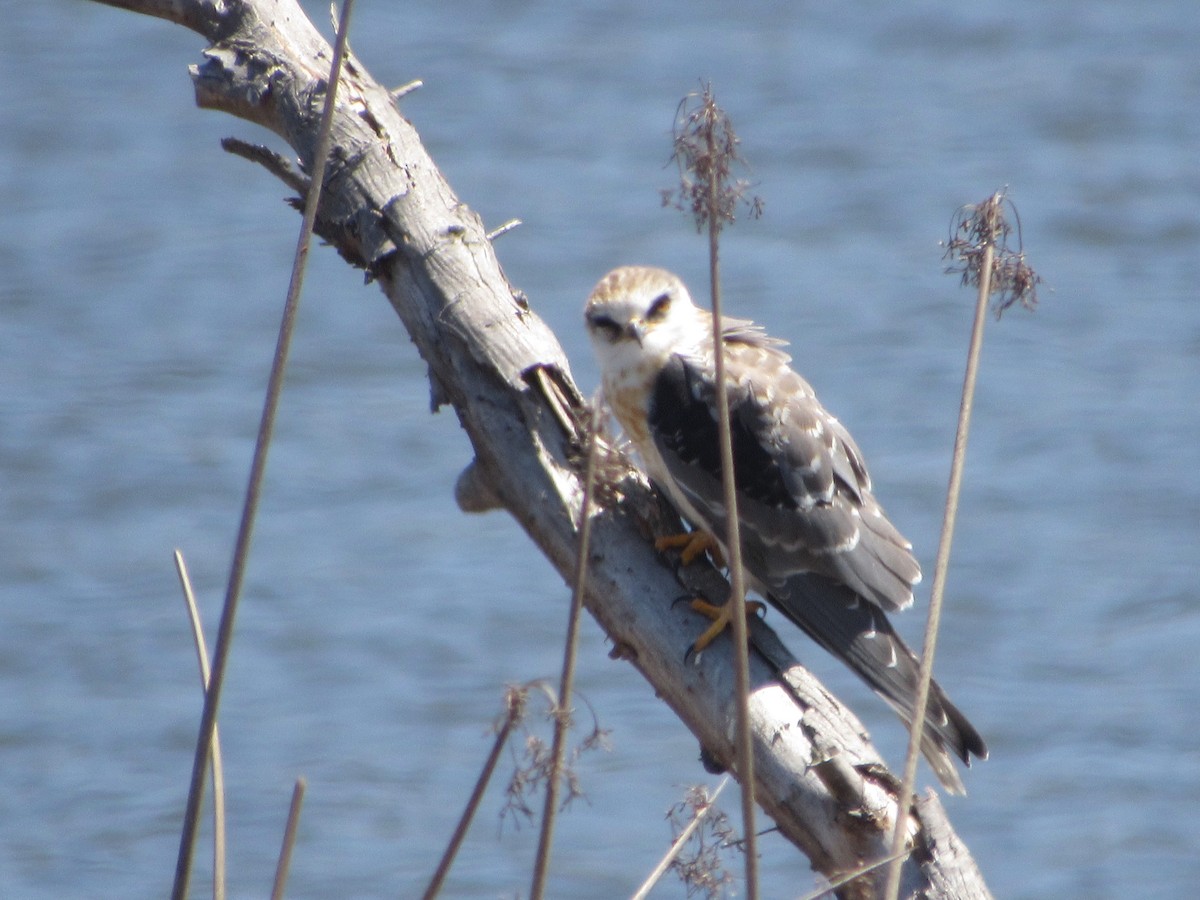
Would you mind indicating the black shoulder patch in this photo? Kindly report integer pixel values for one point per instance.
(683, 415)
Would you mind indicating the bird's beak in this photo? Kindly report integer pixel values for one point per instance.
(636, 331)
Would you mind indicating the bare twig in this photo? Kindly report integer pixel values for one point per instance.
(978, 243)
(684, 836)
(504, 229)
(515, 700)
(218, 768)
(275, 163)
(562, 711)
(706, 149)
(406, 89)
(212, 696)
(202, 16)
(289, 840)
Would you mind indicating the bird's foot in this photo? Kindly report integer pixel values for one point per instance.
(722, 617)
(691, 544)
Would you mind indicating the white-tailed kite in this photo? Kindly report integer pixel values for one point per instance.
(815, 542)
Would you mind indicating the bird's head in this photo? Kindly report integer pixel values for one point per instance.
(642, 315)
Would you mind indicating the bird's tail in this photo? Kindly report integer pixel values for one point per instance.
(858, 633)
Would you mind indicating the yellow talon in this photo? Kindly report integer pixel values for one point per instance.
(691, 545)
(722, 616)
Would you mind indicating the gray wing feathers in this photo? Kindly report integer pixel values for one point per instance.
(814, 539)
(804, 493)
(861, 636)
(836, 526)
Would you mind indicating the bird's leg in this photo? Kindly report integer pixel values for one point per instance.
(691, 544)
(722, 616)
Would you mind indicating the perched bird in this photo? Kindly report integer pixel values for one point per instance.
(815, 542)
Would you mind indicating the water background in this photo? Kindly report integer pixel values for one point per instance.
(142, 272)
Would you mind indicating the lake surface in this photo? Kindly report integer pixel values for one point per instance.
(142, 272)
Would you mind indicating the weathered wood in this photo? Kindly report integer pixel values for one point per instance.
(387, 208)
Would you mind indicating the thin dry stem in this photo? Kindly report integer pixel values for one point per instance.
(986, 233)
(844, 880)
(699, 812)
(706, 149)
(733, 543)
(289, 840)
(702, 868)
(212, 697)
(218, 767)
(515, 700)
(562, 712)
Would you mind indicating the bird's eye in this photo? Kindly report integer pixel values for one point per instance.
(659, 308)
(605, 325)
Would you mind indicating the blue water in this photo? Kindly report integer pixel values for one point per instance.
(141, 275)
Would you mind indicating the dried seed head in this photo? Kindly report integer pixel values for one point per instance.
(977, 227)
(705, 148)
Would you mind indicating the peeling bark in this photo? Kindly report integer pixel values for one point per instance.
(387, 208)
